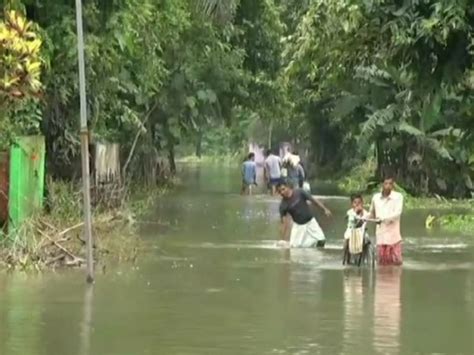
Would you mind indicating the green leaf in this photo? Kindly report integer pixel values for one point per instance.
(377, 119)
(212, 97)
(447, 132)
(346, 105)
(431, 112)
(191, 102)
(202, 95)
(410, 130)
(435, 146)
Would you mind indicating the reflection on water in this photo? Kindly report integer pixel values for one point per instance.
(355, 314)
(387, 310)
(86, 326)
(216, 283)
(22, 316)
(372, 317)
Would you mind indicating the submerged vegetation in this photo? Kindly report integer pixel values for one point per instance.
(463, 223)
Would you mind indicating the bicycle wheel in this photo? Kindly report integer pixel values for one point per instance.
(345, 256)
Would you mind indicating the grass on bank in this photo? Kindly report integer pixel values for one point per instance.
(54, 238)
(359, 180)
(454, 215)
(463, 223)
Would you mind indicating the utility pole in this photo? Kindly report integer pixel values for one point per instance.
(84, 145)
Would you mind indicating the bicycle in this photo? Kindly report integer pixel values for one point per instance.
(368, 254)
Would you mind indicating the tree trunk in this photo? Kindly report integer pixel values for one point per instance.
(171, 158)
(199, 145)
(379, 151)
(270, 133)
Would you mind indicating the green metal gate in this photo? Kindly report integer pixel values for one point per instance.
(26, 190)
(4, 179)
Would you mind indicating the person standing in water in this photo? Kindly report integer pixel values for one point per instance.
(249, 174)
(291, 164)
(272, 171)
(305, 231)
(295, 172)
(387, 208)
(301, 175)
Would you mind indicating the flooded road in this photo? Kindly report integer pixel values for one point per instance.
(214, 283)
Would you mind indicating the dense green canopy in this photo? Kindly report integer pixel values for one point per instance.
(390, 77)
(351, 81)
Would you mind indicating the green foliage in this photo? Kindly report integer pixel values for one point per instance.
(64, 201)
(396, 76)
(354, 80)
(463, 223)
(20, 64)
(221, 10)
(357, 179)
(20, 70)
(165, 68)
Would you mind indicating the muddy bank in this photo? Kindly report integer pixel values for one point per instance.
(54, 239)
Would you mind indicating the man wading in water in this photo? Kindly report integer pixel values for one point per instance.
(249, 175)
(305, 232)
(272, 171)
(387, 207)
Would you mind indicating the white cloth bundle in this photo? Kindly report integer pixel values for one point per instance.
(356, 241)
(294, 160)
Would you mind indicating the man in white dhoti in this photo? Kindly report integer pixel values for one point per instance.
(305, 231)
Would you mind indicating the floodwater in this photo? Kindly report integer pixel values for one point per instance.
(214, 283)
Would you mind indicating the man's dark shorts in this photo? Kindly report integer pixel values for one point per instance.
(274, 182)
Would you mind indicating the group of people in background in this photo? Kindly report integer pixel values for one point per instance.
(300, 229)
(288, 169)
